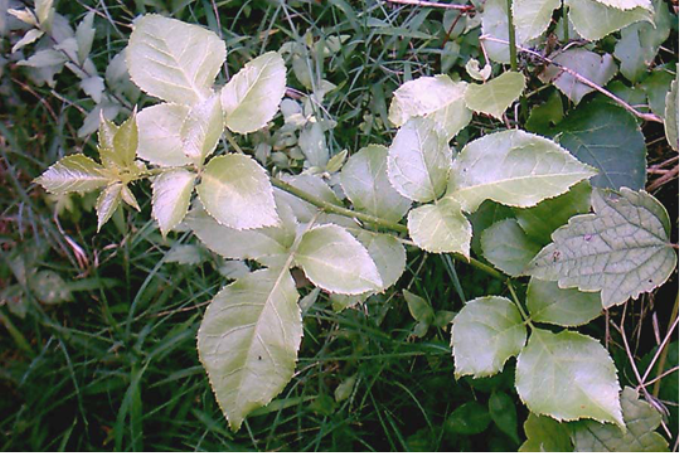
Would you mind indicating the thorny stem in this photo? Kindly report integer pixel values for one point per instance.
(645, 116)
(664, 353)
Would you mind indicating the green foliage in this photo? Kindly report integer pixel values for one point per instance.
(315, 234)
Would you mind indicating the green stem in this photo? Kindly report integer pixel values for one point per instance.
(565, 22)
(511, 38)
(366, 218)
(664, 354)
(16, 335)
(525, 316)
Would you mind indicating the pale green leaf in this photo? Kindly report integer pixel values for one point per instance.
(173, 60)
(44, 9)
(172, 191)
(440, 228)
(236, 191)
(419, 161)
(607, 137)
(85, 36)
(93, 87)
(494, 97)
(477, 73)
(312, 143)
(364, 180)
(129, 198)
(532, 17)
(627, 4)
(107, 203)
(545, 434)
(549, 303)
(202, 129)
(514, 168)
(495, 24)
(438, 98)
(420, 309)
(76, 173)
(45, 58)
(506, 246)
(642, 421)
(335, 261)
(252, 97)
(248, 341)
(485, 334)
(623, 249)
(671, 115)
(125, 141)
(160, 141)
(540, 221)
(267, 246)
(387, 254)
(312, 185)
(568, 376)
(598, 69)
(185, 254)
(31, 36)
(594, 21)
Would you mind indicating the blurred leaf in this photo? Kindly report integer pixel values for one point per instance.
(545, 434)
(468, 419)
(503, 413)
(508, 248)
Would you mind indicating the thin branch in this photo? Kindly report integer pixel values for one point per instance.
(427, 4)
(645, 116)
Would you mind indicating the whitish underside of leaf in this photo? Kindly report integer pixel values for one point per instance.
(507, 247)
(76, 173)
(337, 262)
(485, 334)
(627, 4)
(642, 421)
(568, 376)
(622, 250)
(593, 20)
(172, 191)
(236, 191)
(438, 98)
(532, 17)
(364, 180)
(173, 60)
(248, 341)
(419, 161)
(494, 97)
(252, 97)
(440, 228)
(160, 141)
(514, 168)
(671, 115)
(569, 307)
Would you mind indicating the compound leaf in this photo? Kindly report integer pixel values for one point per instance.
(514, 168)
(485, 334)
(419, 160)
(172, 191)
(623, 249)
(236, 191)
(248, 341)
(173, 60)
(337, 262)
(252, 97)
